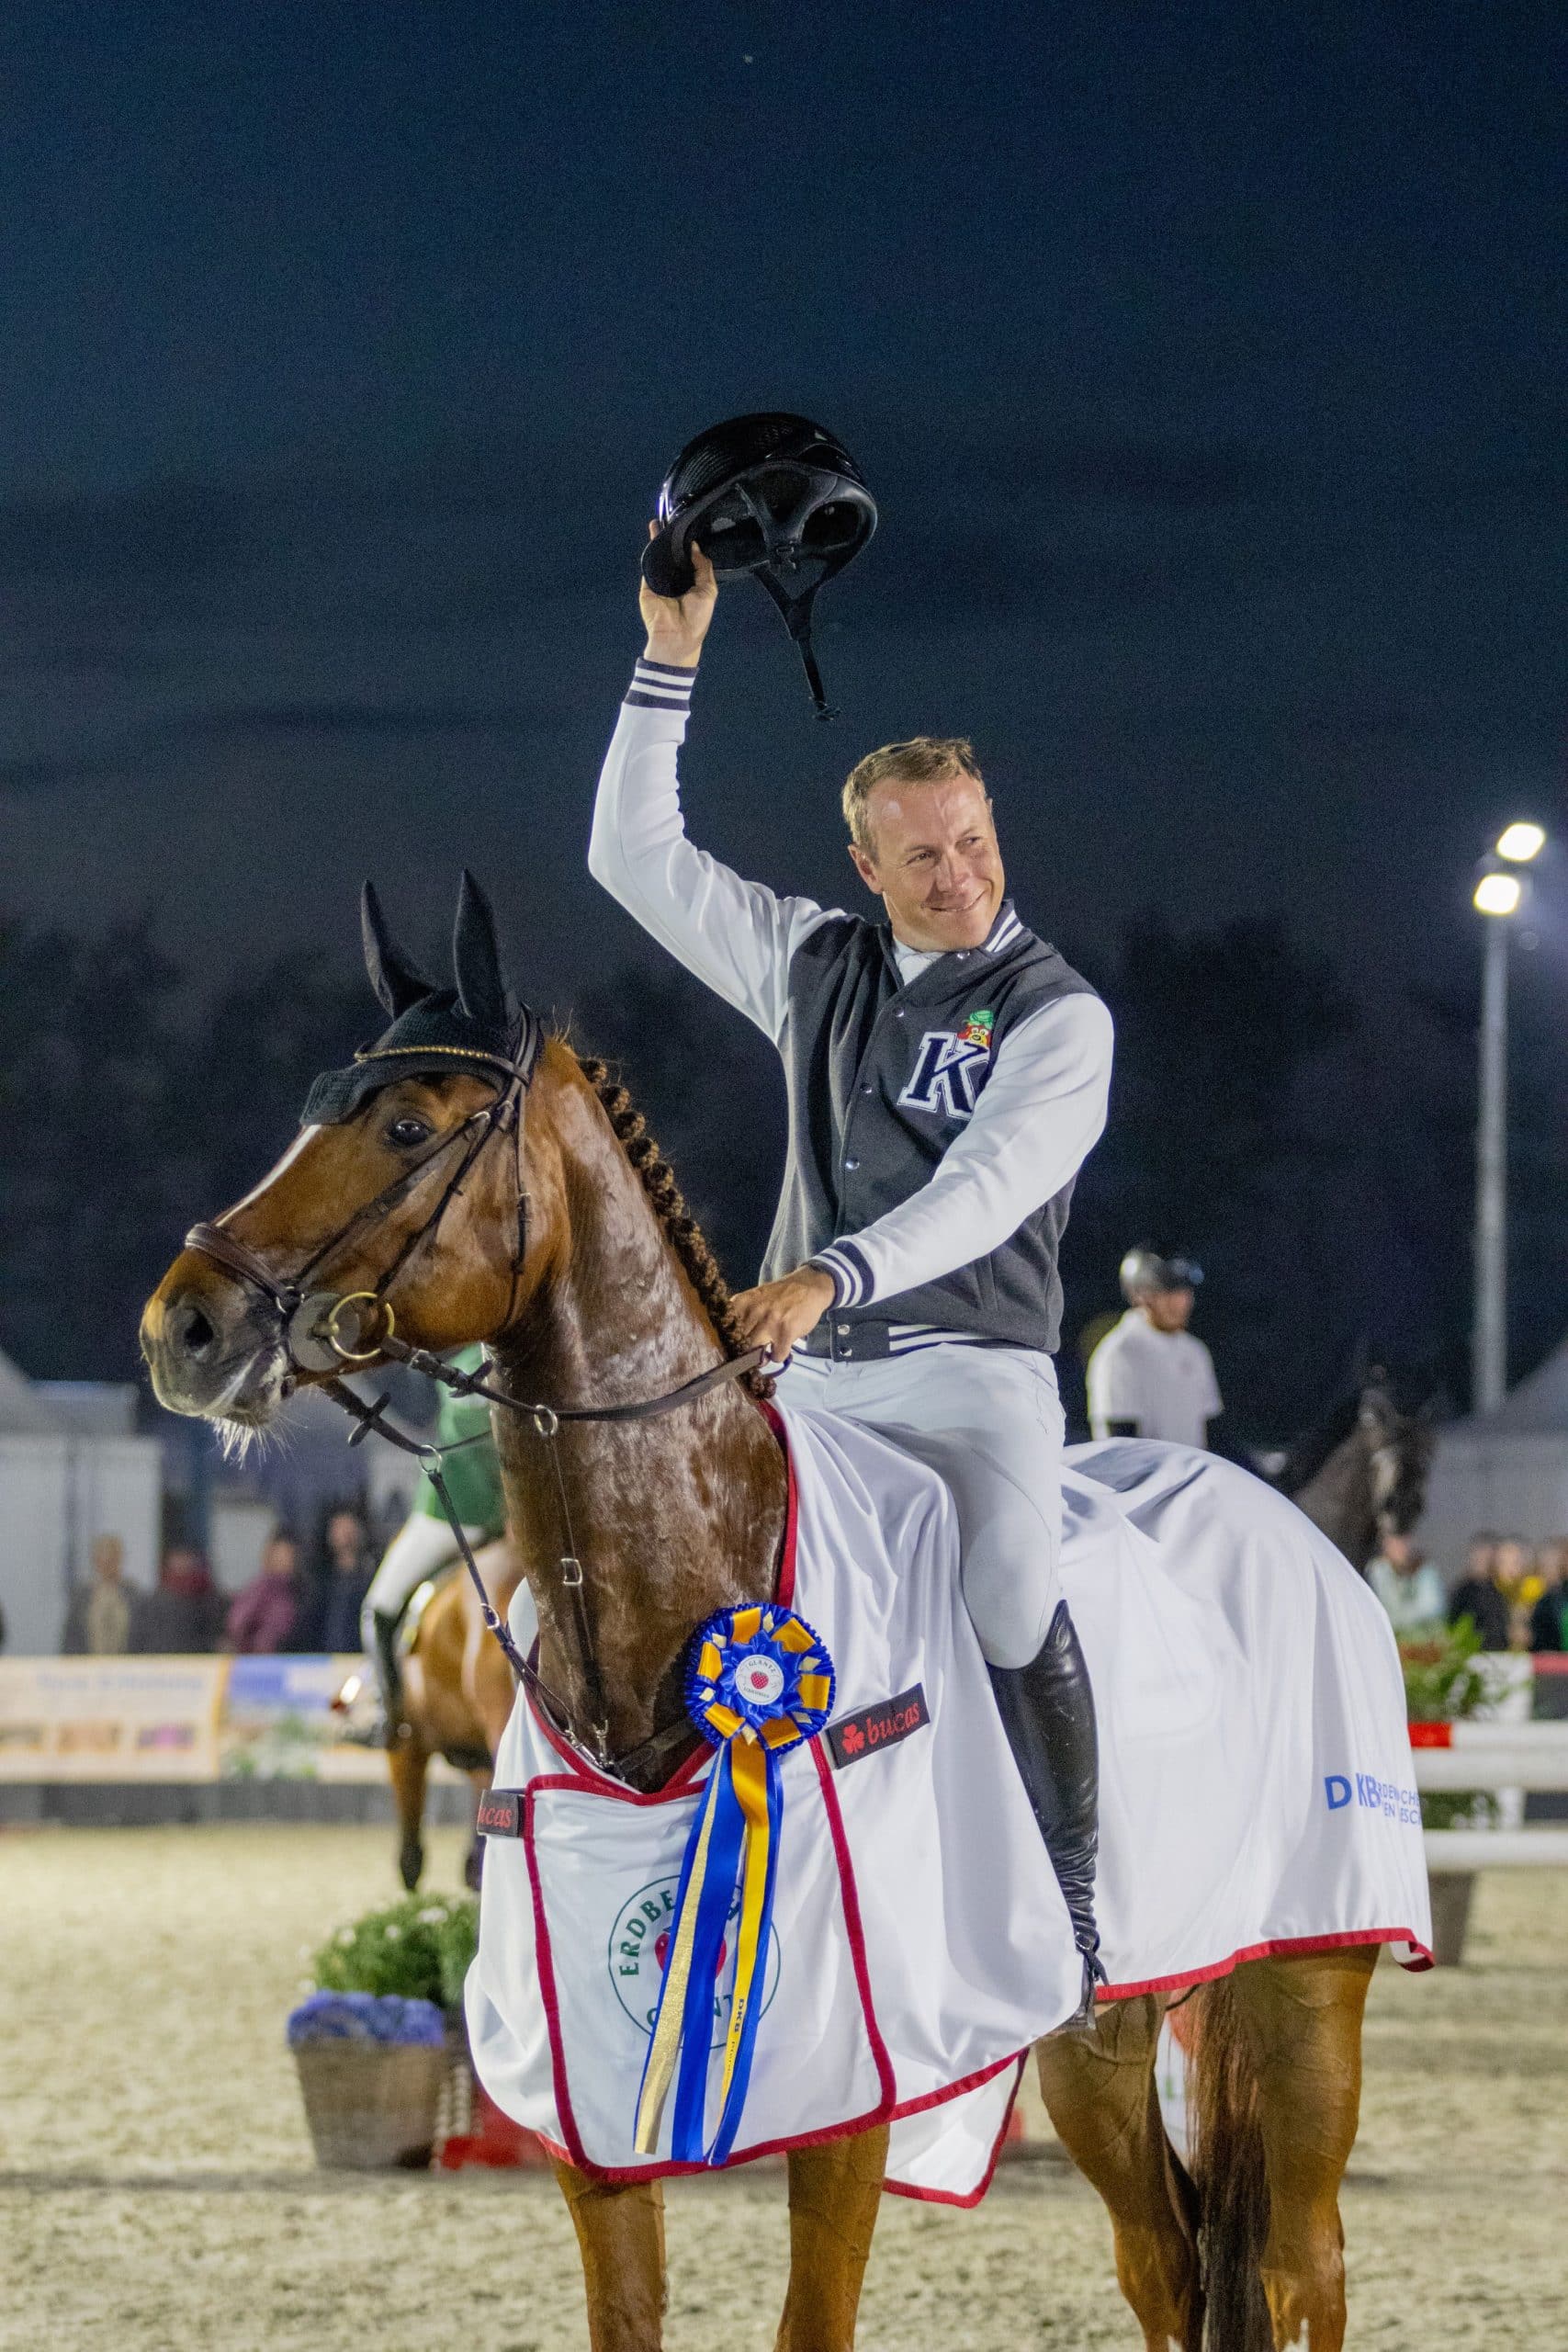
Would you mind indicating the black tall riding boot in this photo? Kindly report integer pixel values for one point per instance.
(388, 1664)
(1047, 1711)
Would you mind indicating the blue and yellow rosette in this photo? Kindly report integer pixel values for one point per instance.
(758, 1683)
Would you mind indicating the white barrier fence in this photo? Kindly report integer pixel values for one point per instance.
(1491, 1757)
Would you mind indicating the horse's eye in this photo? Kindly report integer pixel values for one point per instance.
(405, 1134)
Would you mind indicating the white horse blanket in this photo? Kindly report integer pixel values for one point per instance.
(1256, 1795)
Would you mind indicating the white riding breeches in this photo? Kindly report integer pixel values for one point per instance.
(419, 1547)
(989, 1421)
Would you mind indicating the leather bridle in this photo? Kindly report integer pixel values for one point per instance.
(309, 1319)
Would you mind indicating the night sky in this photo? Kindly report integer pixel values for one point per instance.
(1207, 363)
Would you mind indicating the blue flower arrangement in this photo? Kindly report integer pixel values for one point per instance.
(364, 2017)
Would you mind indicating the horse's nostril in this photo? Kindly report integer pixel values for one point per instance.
(192, 1333)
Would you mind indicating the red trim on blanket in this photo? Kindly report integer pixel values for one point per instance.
(955, 2090)
(1279, 1948)
(784, 1589)
(849, 1896)
(952, 2196)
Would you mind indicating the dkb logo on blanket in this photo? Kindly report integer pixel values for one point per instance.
(1373, 1795)
(640, 1952)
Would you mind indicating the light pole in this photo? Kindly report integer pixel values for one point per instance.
(1499, 894)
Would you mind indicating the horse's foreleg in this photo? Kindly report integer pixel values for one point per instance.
(834, 2193)
(620, 2234)
(1303, 2026)
(408, 1760)
(1100, 2096)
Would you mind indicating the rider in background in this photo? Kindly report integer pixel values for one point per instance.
(947, 1074)
(424, 1543)
(1150, 1377)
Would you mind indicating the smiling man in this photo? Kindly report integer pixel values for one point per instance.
(947, 1074)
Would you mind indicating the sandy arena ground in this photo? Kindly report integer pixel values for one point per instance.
(157, 2190)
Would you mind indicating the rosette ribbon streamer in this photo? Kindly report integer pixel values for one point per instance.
(758, 1683)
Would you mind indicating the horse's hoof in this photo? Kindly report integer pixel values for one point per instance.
(411, 1866)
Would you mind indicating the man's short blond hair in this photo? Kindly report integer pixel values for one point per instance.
(924, 759)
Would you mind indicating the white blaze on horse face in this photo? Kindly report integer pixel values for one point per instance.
(292, 1154)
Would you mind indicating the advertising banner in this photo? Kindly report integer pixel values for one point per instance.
(110, 1718)
(278, 1725)
(180, 1719)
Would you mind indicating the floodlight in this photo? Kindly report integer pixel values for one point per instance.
(1521, 843)
(1498, 894)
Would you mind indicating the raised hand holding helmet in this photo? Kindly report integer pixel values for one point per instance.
(676, 625)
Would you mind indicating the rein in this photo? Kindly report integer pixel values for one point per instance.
(314, 1343)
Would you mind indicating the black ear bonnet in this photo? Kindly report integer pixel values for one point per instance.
(478, 1025)
(773, 495)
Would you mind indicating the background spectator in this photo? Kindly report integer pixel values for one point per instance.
(350, 1563)
(1407, 1584)
(185, 1613)
(98, 1619)
(263, 1614)
(1514, 1572)
(344, 1565)
(1548, 1618)
(1480, 1597)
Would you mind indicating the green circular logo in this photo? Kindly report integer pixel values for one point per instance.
(639, 1954)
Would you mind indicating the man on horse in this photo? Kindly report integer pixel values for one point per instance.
(947, 1074)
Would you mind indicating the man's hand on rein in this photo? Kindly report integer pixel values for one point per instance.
(775, 1315)
(676, 625)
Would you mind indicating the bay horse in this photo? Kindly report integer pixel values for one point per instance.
(457, 1695)
(565, 1246)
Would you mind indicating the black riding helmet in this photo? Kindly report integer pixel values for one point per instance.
(1144, 1269)
(770, 494)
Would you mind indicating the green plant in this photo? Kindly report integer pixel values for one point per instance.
(1443, 1685)
(419, 1948)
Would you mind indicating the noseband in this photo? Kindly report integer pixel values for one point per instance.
(308, 1321)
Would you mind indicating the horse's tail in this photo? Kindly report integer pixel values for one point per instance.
(1227, 2170)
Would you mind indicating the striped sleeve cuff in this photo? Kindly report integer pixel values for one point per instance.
(661, 686)
(847, 1269)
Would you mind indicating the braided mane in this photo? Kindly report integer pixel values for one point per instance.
(684, 1234)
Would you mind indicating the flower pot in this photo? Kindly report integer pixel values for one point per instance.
(371, 2106)
(1452, 1892)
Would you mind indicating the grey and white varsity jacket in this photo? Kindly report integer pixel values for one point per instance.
(939, 1105)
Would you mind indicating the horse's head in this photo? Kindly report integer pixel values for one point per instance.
(408, 1200)
(1399, 1447)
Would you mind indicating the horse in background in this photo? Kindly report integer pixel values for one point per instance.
(1361, 1472)
(457, 1692)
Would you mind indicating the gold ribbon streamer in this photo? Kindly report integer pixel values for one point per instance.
(665, 2050)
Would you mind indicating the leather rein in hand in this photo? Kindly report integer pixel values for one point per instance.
(314, 1343)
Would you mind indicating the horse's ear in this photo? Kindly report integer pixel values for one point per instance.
(392, 977)
(476, 958)
(1376, 1412)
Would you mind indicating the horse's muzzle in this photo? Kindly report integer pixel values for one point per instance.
(213, 1347)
